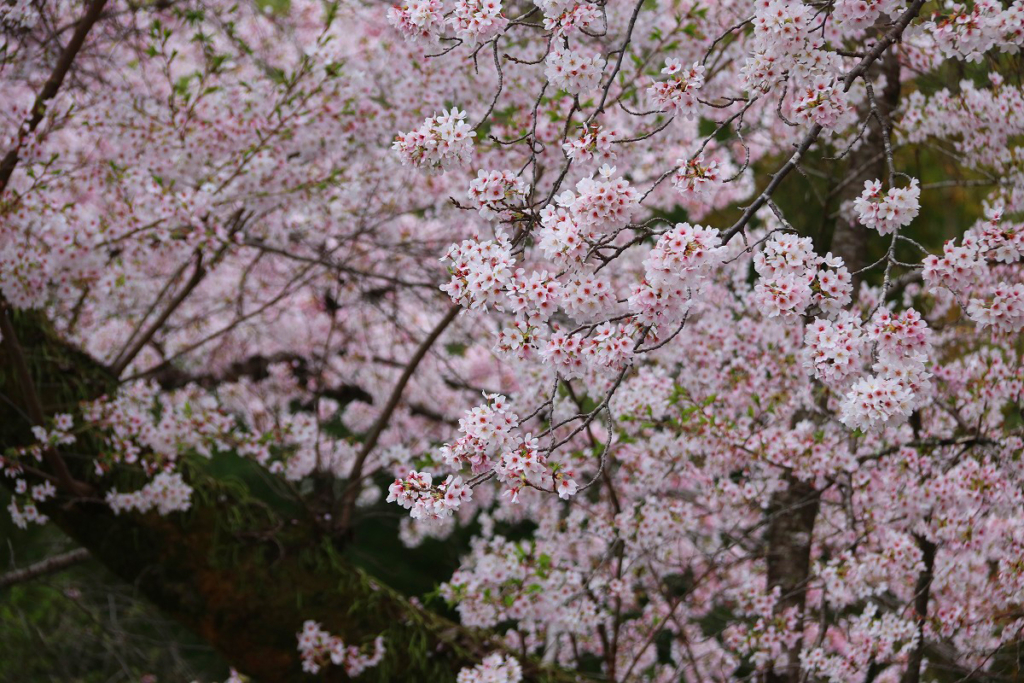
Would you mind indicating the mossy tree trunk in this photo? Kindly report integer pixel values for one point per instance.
(244, 567)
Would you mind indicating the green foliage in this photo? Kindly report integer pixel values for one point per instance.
(84, 625)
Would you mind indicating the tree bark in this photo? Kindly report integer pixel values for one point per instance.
(922, 594)
(792, 513)
(866, 162)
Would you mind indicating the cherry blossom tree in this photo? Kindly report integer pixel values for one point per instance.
(693, 327)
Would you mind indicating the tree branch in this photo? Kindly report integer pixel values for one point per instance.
(126, 356)
(355, 476)
(50, 88)
(922, 593)
(43, 567)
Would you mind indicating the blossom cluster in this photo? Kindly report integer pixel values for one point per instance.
(902, 337)
(674, 270)
(823, 102)
(836, 348)
(608, 346)
(167, 492)
(59, 434)
(873, 637)
(535, 296)
(318, 648)
(785, 46)
(861, 14)
(491, 441)
(902, 344)
(1004, 312)
(424, 500)
(679, 91)
(793, 277)
(968, 31)
(958, 269)
(565, 17)
(487, 429)
(418, 19)
(977, 270)
(599, 204)
(698, 178)
(477, 21)
(591, 145)
(23, 506)
(470, 21)
(586, 295)
(479, 272)
(443, 141)
(495, 668)
(573, 72)
(876, 401)
(889, 212)
(497, 195)
(562, 237)
(502, 580)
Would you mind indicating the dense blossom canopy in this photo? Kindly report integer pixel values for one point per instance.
(650, 295)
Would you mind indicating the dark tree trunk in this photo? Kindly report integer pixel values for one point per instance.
(922, 594)
(792, 513)
(866, 162)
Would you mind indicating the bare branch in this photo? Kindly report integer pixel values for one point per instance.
(44, 567)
